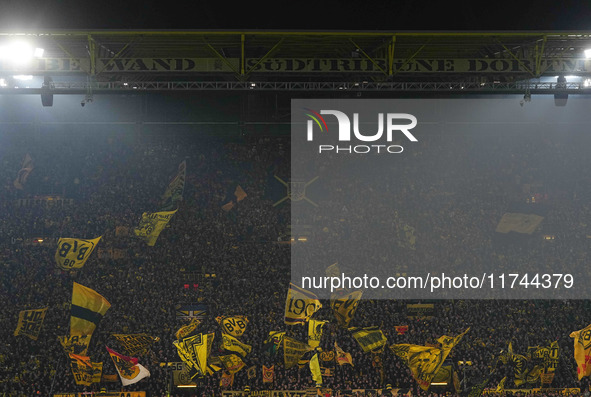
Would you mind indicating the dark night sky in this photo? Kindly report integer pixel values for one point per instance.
(390, 15)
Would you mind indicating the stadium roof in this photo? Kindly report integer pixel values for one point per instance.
(115, 60)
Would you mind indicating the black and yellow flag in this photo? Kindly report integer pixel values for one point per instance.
(369, 338)
(315, 370)
(24, 172)
(273, 341)
(175, 189)
(76, 344)
(151, 225)
(72, 253)
(88, 308)
(97, 372)
(194, 351)
(135, 344)
(30, 323)
(293, 351)
(300, 305)
(233, 325)
(424, 361)
(315, 328)
(344, 305)
(582, 342)
(232, 363)
(232, 344)
(188, 329)
(81, 369)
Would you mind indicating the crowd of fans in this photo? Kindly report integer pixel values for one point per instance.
(452, 189)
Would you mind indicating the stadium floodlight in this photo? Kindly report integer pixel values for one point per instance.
(19, 52)
(587, 53)
(23, 77)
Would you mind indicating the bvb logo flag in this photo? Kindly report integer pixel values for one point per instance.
(30, 322)
(175, 189)
(582, 342)
(76, 344)
(232, 344)
(24, 172)
(135, 344)
(234, 325)
(344, 305)
(88, 308)
(293, 351)
(315, 332)
(300, 305)
(268, 374)
(424, 361)
(369, 338)
(151, 225)
(128, 368)
(72, 253)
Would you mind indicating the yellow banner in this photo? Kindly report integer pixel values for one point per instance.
(424, 361)
(344, 305)
(300, 305)
(151, 225)
(233, 325)
(188, 329)
(72, 253)
(315, 332)
(30, 323)
(87, 309)
(315, 370)
(582, 342)
(232, 344)
(293, 350)
(232, 363)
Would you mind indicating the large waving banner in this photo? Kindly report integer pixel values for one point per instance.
(30, 323)
(152, 224)
(300, 305)
(130, 371)
(175, 189)
(72, 253)
(194, 351)
(232, 344)
(424, 361)
(293, 350)
(88, 308)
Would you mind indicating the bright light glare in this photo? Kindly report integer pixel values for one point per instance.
(587, 53)
(3, 83)
(23, 77)
(587, 83)
(19, 52)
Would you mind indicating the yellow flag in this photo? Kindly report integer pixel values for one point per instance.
(293, 350)
(193, 351)
(88, 308)
(30, 323)
(424, 361)
(232, 344)
(81, 369)
(152, 224)
(344, 305)
(315, 332)
(300, 305)
(97, 372)
(135, 344)
(369, 338)
(232, 363)
(76, 344)
(582, 351)
(315, 370)
(72, 253)
(188, 329)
